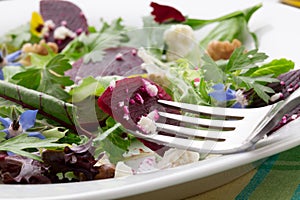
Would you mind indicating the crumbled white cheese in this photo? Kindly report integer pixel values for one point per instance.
(153, 115)
(126, 117)
(48, 25)
(122, 170)
(112, 84)
(180, 40)
(121, 103)
(151, 89)
(63, 32)
(276, 96)
(147, 125)
(176, 157)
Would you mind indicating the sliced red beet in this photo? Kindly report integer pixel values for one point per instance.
(129, 100)
(63, 13)
(163, 13)
(121, 61)
(288, 83)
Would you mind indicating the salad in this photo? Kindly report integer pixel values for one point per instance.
(70, 91)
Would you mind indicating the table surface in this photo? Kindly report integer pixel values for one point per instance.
(277, 178)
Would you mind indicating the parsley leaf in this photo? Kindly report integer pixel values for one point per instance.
(255, 83)
(46, 75)
(244, 60)
(244, 71)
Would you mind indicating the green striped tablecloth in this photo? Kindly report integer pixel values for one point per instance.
(277, 178)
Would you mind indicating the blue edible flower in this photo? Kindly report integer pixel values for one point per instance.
(19, 126)
(221, 93)
(8, 60)
(224, 94)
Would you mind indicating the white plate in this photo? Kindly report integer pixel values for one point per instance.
(279, 36)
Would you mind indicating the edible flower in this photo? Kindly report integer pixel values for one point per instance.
(8, 60)
(224, 94)
(36, 24)
(163, 13)
(21, 125)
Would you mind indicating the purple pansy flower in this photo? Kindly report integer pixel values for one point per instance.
(8, 60)
(223, 94)
(20, 126)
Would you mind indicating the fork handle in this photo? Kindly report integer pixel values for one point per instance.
(275, 115)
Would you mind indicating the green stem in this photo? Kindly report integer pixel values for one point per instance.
(199, 23)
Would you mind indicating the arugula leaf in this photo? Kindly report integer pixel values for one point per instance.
(46, 75)
(199, 23)
(203, 91)
(112, 141)
(246, 14)
(21, 142)
(235, 27)
(55, 133)
(116, 134)
(275, 67)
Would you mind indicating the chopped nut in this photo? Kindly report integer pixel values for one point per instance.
(40, 48)
(218, 50)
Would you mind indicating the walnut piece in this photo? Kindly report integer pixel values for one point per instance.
(41, 48)
(218, 50)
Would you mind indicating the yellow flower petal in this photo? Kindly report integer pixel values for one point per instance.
(36, 24)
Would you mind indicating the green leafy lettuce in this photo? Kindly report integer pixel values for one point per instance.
(46, 74)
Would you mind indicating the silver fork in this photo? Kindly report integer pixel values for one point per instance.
(230, 130)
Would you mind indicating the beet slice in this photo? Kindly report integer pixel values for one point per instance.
(63, 13)
(288, 83)
(130, 99)
(121, 61)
